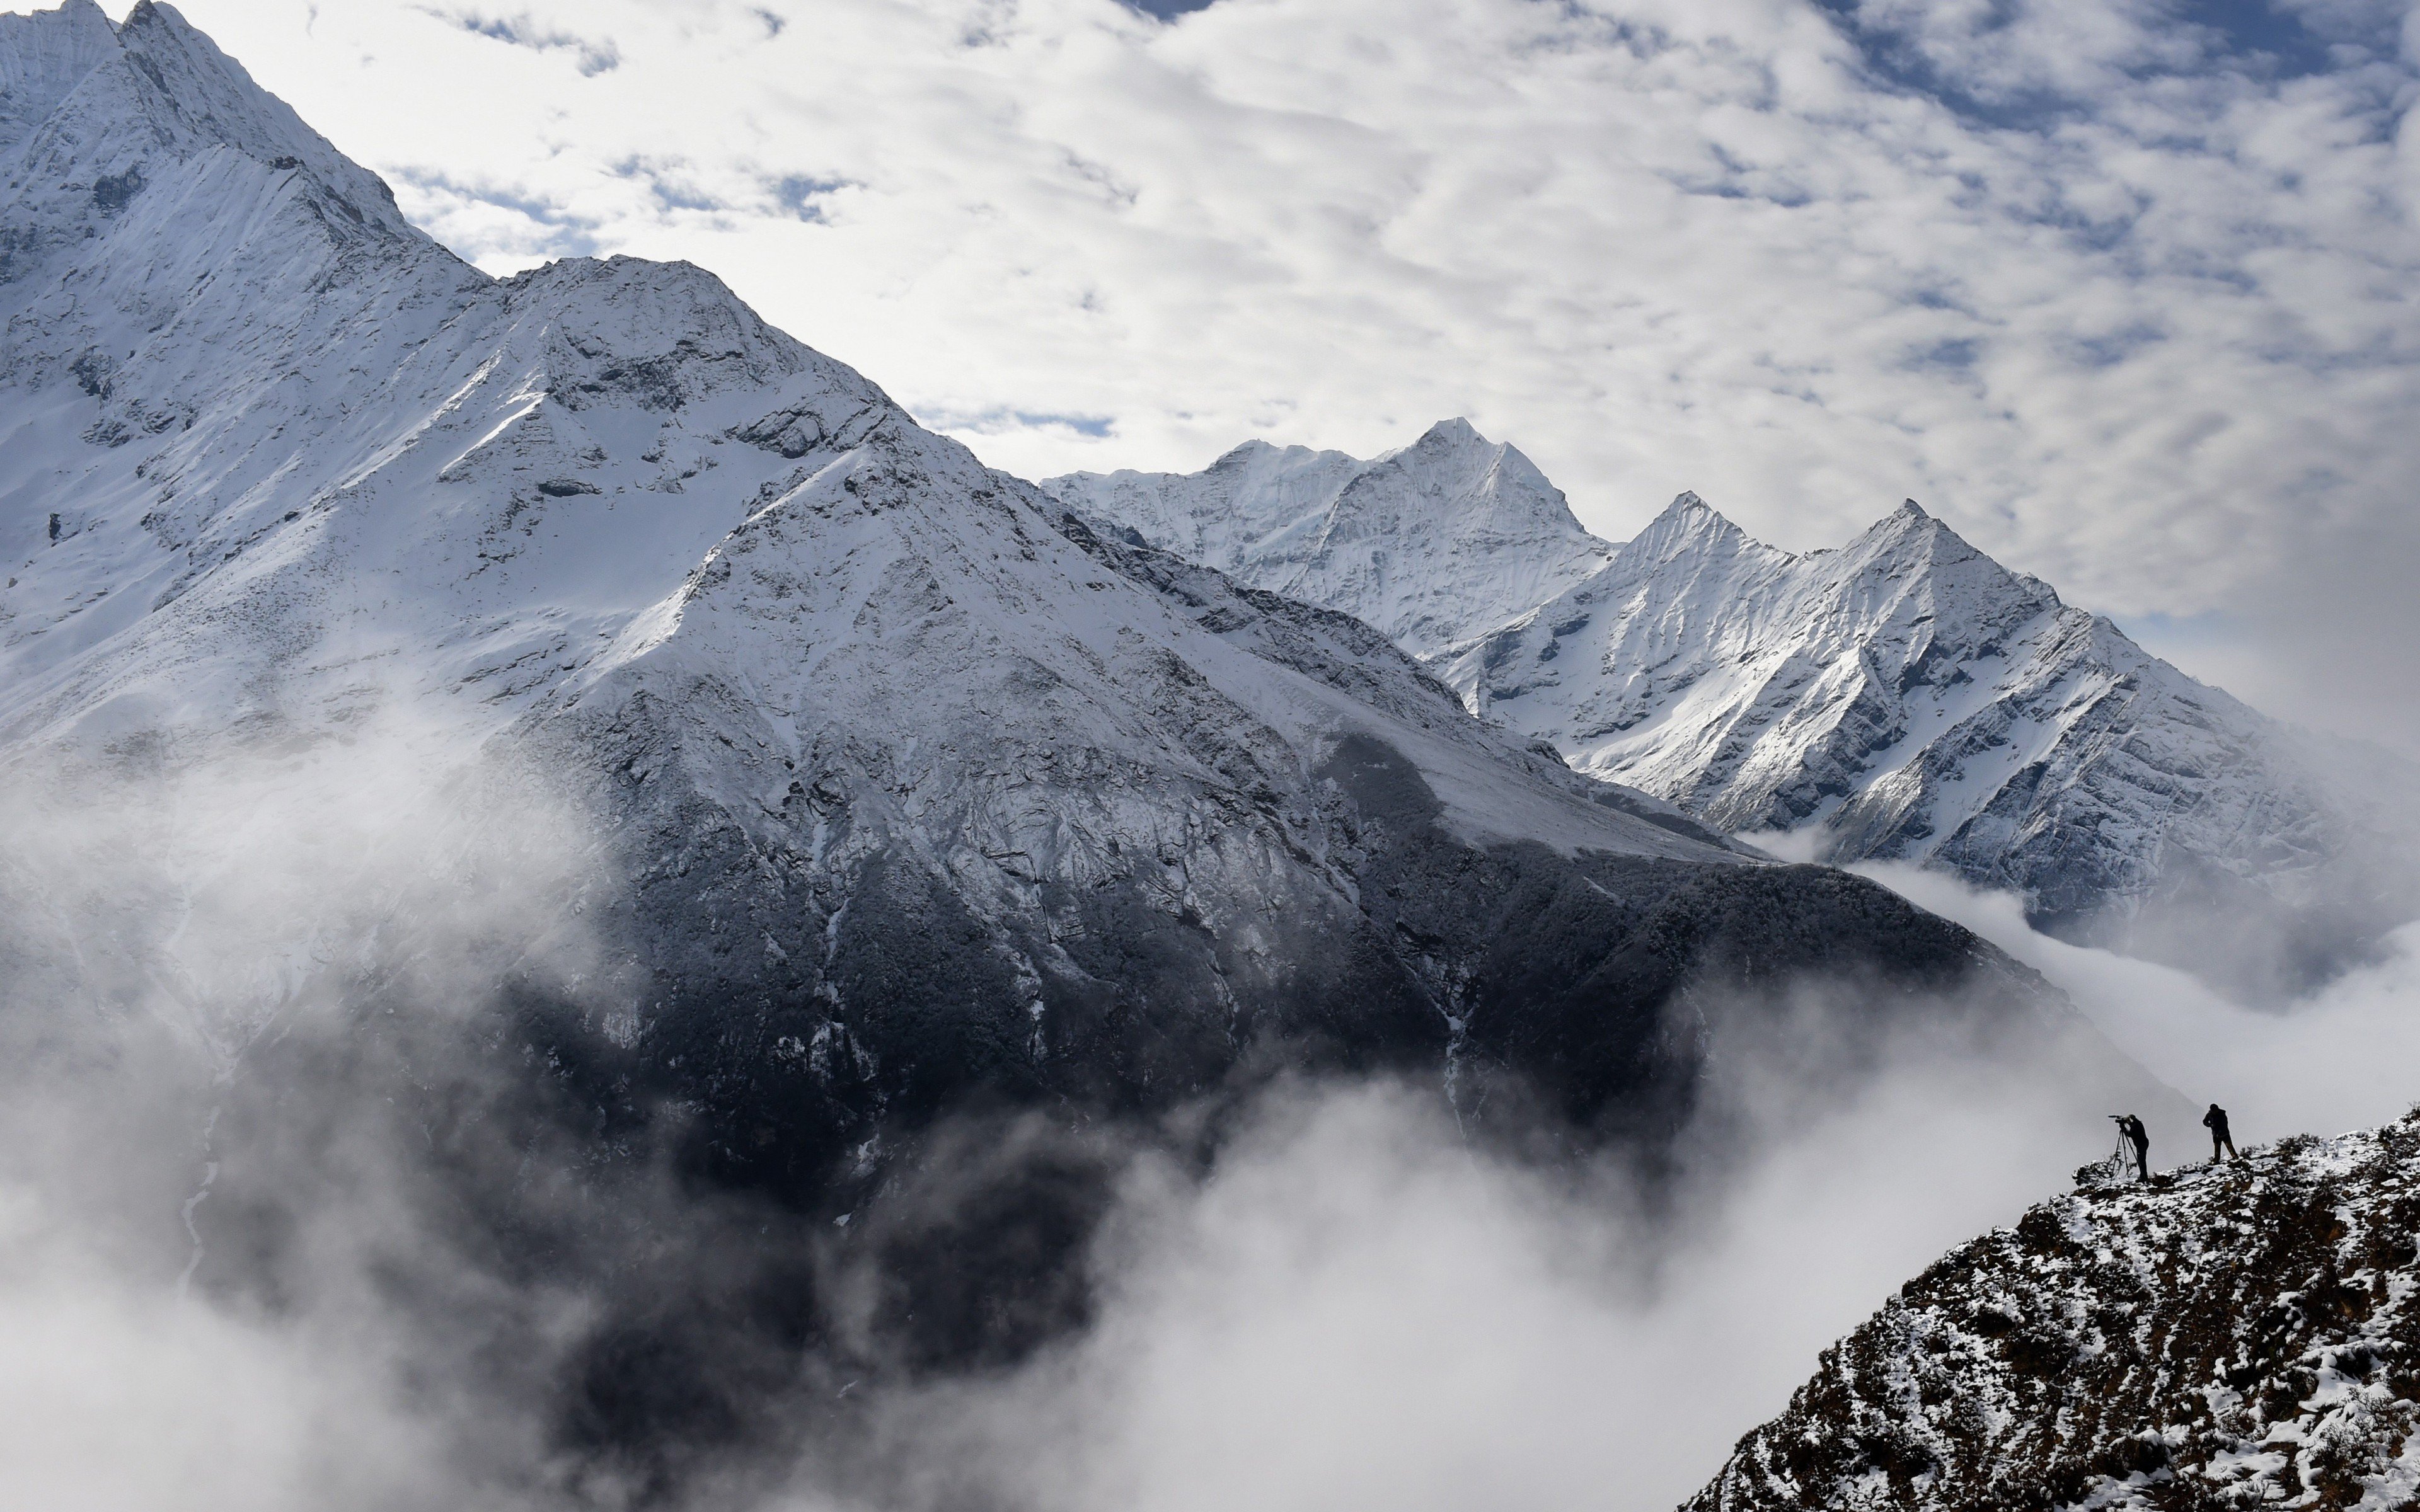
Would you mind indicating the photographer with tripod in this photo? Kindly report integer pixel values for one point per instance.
(2131, 1132)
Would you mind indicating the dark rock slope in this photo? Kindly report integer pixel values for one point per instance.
(2232, 1337)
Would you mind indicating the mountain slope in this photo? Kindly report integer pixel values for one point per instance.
(2237, 1336)
(902, 784)
(1907, 698)
(1432, 543)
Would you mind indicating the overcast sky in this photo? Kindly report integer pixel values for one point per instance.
(2122, 289)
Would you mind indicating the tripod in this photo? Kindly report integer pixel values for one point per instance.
(2118, 1161)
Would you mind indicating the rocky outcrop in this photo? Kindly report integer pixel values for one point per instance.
(2236, 1335)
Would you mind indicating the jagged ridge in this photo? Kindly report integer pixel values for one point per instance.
(1904, 697)
(1907, 698)
(1432, 543)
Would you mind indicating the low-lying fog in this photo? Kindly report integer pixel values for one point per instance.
(1355, 1308)
(2340, 1058)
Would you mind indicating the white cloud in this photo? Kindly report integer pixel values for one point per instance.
(2341, 1058)
(1359, 1309)
(2133, 310)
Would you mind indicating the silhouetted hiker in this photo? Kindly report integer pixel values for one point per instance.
(2129, 1129)
(2216, 1121)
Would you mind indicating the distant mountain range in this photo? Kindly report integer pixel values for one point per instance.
(1451, 535)
(1903, 698)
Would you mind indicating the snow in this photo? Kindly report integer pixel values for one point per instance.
(1903, 698)
(1431, 542)
(308, 466)
(1907, 698)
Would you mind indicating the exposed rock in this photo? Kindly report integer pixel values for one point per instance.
(2236, 1335)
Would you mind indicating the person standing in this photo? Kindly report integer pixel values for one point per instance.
(2216, 1121)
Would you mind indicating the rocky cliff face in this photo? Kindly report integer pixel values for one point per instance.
(2234, 1335)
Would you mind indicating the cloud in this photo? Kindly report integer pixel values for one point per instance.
(670, 183)
(301, 1212)
(1358, 1307)
(1002, 422)
(595, 56)
(1355, 1307)
(498, 221)
(1170, 9)
(429, 1268)
(2341, 1058)
(203, 1280)
(809, 197)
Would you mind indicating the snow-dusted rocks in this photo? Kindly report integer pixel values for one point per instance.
(1907, 698)
(1445, 538)
(2234, 1335)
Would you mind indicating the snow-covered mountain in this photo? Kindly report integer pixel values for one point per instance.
(1903, 698)
(1908, 698)
(2234, 1335)
(907, 784)
(1432, 544)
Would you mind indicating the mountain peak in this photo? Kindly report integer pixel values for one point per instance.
(1455, 432)
(81, 14)
(1241, 454)
(44, 56)
(1692, 516)
(77, 15)
(1431, 542)
(210, 100)
(152, 13)
(1688, 526)
(1909, 514)
(1908, 527)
